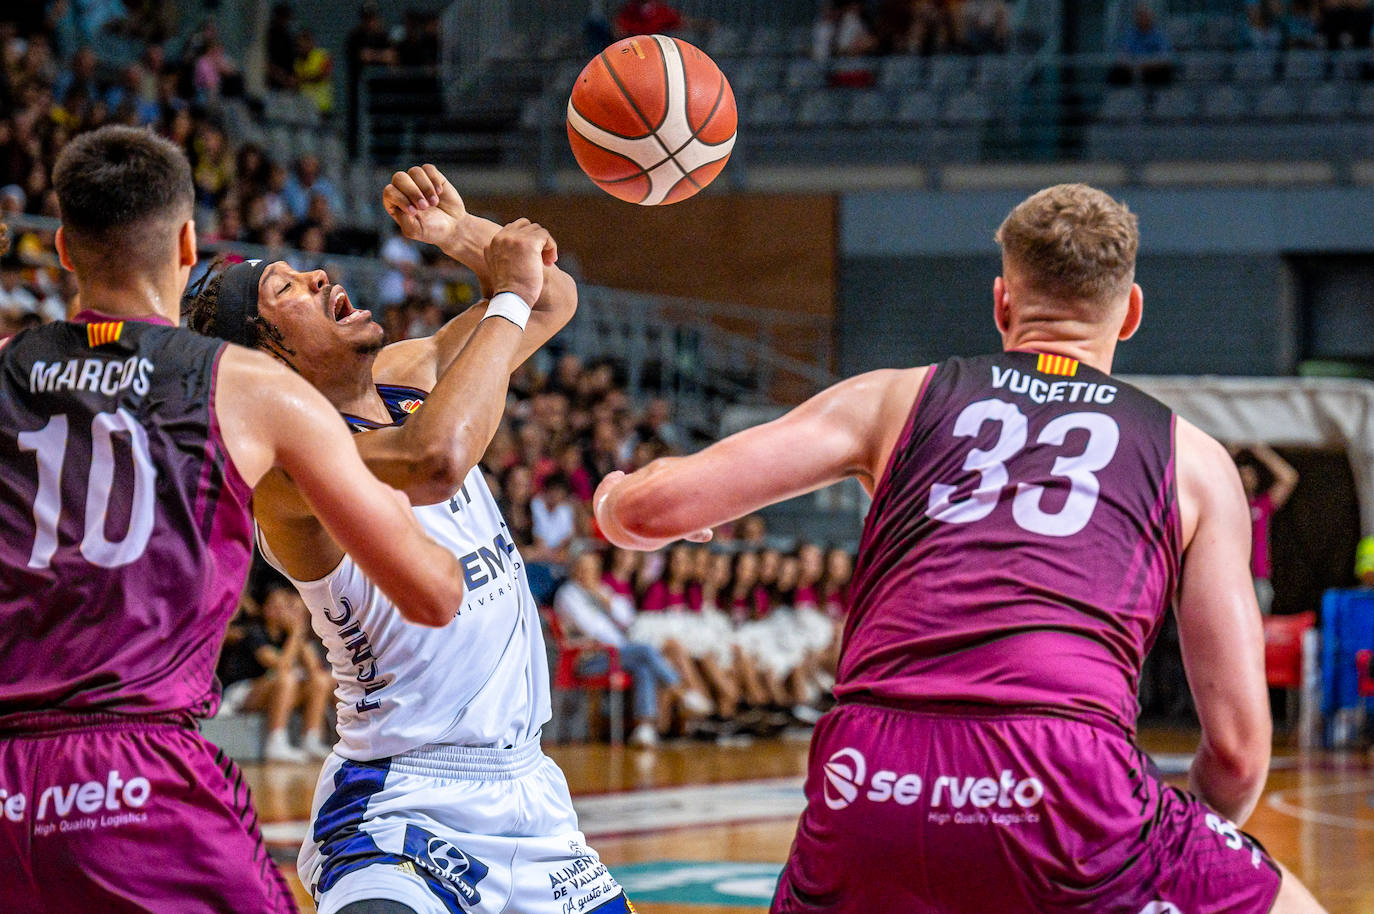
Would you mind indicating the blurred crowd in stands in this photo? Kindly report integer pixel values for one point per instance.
(855, 28)
(723, 641)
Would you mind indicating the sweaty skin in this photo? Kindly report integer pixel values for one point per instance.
(271, 418)
(850, 431)
(465, 366)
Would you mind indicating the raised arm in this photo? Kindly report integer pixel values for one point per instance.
(848, 430)
(1220, 631)
(429, 456)
(427, 208)
(272, 418)
(1285, 477)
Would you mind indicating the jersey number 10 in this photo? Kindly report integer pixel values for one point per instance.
(991, 466)
(50, 444)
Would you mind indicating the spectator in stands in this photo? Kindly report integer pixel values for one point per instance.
(584, 607)
(1146, 51)
(367, 46)
(554, 517)
(1364, 561)
(306, 183)
(214, 168)
(79, 75)
(1263, 24)
(269, 663)
(647, 17)
(281, 50)
(216, 73)
(419, 44)
(1301, 25)
(842, 30)
(985, 26)
(314, 68)
(1283, 479)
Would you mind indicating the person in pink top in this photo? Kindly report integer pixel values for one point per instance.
(1263, 505)
(1033, 518)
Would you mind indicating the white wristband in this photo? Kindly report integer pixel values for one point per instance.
(510, 306)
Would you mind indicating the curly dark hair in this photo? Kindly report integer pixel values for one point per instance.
(201, 306)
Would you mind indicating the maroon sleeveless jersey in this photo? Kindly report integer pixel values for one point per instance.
(127, 529)
(1021, 548)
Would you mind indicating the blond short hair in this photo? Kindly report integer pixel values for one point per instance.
(1073, 243)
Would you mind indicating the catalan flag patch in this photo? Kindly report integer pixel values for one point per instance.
(99, 334)
(1056, 364)
(410, 405)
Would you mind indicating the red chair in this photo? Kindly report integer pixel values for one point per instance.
(569, 678)
(1283, 657)
(1283, 648)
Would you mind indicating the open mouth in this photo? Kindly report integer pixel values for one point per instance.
(342, 310)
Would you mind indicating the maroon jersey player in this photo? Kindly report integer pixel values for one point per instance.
(1033, 518)
(128, 452)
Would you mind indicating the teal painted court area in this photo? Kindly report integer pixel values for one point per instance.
(700, 882)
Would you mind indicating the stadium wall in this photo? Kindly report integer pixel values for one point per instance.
(1223, 270)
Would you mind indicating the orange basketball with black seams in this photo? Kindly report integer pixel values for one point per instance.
(652, 120)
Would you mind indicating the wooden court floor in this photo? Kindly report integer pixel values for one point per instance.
(1317, 816)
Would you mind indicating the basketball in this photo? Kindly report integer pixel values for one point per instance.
(652, 120)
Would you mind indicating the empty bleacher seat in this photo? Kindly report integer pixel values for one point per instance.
(1278, 102)
(869, 108)
(1176, 103)
(1364, 102)
(766, 40)
(804, 74)
(969, 108)
(950, 72)
(1224, 103)
(901, 72)
(1304, 65)
(770, 110)
(1256, 66)
(753, 74)
(723, 41)
(916, 108)
(1182, 32)
(1328, 101)
(1204, 66)
(1122, 105)
(1002, 72)
(822, 108)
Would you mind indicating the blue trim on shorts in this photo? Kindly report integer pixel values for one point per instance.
(345, 847)
(617, 905)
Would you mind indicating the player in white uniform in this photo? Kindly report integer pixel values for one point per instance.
(437, 798)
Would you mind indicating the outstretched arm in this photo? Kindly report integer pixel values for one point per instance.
(848, 430)
(1219, 629)
(427, 208)
(272, 418)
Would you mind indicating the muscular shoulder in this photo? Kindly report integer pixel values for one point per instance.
(1207, 479)
(409, 363)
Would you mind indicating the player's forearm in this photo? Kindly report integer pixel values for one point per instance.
(443, 440)
(1231, 787)
(468, 244)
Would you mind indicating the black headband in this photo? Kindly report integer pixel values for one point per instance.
(238, 302)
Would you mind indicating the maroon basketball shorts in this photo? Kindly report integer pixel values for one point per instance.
(111, 814)
(920, 812)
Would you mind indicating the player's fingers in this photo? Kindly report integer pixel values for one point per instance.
(399, 209)
(425, 185)
(436, 177)
(406, 185)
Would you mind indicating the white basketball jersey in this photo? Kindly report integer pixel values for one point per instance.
(481, 680)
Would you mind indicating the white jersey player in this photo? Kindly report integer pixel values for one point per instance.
(437, 798)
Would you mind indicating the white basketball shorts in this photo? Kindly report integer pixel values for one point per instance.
(453, 830)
